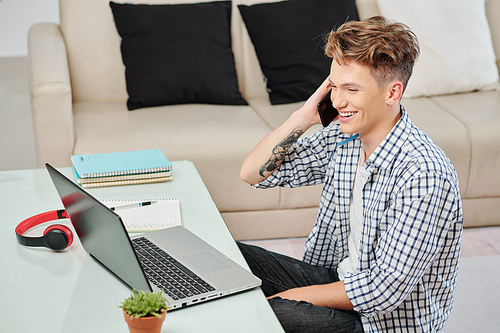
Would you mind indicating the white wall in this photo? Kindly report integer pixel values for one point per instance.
(16, 16)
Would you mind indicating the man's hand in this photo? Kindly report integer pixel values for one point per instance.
(330, 295)
(269, 153)
(309, 110)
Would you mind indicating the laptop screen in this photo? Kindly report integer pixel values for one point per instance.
(101, 231)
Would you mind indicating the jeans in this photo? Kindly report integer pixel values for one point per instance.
(279, 273)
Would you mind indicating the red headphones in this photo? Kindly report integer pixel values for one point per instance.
(56, 237)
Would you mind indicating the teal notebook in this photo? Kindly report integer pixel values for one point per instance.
(122, 163)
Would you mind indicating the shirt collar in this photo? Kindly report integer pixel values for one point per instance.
(387, 151)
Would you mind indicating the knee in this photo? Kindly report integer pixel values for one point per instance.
(247, 252)
(295, 316)
(299, 316)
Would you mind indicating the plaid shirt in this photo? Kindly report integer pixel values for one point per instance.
(412, 223)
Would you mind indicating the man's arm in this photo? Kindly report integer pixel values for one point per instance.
(279, 152)
(270, 152)
(332, 295)
(267, 156)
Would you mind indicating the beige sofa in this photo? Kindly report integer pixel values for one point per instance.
(78, 100)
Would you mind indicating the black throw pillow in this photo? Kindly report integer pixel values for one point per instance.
(289, 38)
(177, 54)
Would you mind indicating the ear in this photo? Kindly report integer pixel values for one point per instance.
(394, 92)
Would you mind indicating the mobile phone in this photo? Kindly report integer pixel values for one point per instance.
(326, 110)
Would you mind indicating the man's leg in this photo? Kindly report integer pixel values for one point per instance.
(279, 273)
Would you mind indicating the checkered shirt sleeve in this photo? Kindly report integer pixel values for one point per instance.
(306, 162)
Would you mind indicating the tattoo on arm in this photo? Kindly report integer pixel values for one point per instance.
(279, 152)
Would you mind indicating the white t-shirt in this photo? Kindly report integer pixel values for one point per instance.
(350, 264)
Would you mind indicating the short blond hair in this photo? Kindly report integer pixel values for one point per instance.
(390, 49)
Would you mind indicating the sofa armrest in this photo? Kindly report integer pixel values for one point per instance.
(50, 92)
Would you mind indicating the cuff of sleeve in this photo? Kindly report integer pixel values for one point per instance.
(269, 182)
(358, 291)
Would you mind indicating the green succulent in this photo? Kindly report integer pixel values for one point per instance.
(145, 303)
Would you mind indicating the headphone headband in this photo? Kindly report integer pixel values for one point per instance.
(56, 237)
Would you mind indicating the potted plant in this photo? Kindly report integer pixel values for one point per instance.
(145, 311)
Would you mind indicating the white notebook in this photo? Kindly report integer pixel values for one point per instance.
(147, 215)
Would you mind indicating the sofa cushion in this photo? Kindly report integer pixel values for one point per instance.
(176, 54)
(478, 112)
(275, 115)
(183, 132)
(288, 37)
(449, 133)
(456, 47)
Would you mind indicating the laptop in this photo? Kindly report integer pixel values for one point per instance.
(175, 260)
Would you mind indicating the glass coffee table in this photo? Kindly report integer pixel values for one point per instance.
(68, 291)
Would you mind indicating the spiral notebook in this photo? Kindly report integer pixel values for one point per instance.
(147, 215)
(121, 163)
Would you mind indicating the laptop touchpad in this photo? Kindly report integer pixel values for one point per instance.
(207, 262)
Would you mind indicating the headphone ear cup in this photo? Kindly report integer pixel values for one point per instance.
(58, 237)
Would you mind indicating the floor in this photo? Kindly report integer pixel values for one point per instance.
(477, 293)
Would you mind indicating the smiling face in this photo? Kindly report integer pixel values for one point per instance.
(364, 107)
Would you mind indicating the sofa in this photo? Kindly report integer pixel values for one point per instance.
(79, 104)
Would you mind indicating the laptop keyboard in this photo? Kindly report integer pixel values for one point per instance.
(168, 274)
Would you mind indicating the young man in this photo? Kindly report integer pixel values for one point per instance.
(384, 252)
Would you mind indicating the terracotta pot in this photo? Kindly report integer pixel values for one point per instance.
(144, 324)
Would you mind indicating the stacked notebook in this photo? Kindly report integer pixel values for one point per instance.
(123, 168)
